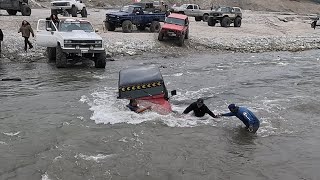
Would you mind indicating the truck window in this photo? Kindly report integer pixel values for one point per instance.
(190, 7)
(196, 7)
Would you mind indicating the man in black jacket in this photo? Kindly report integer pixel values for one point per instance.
(199, 109)
(1, 39)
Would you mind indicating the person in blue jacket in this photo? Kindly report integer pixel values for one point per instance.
(245, 115)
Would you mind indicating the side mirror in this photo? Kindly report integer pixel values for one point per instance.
(174, 92)
(96, 30)
(48, 29)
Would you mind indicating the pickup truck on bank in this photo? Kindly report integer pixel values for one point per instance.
(133, 15)
(193, 10)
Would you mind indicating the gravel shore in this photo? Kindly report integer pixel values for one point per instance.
(260, 32)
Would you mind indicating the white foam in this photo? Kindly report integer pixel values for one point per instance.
(2, 142)
(96, 158)
(11, 133)
(45, 176)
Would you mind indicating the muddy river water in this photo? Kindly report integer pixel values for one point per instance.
(68, 124)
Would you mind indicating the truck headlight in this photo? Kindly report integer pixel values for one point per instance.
(67, 41)
(98, 42)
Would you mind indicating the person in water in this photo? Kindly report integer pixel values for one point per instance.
(133, 106)
(199, 109)
(245, 115)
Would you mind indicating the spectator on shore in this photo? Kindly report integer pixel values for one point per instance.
(25, 30)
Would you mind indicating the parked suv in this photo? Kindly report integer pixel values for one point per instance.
(225, 16)
(14, 6)
(73, 7)
(175, 26)
(70, 39)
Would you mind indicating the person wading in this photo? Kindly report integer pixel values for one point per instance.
(133, 106)
(199, 109)
(1, 39)
(25, 30)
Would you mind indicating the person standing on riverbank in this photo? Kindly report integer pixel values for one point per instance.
(25, 30)
(1, 39)
(245, 115)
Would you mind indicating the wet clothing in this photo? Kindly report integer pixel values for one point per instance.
(246, 116)
(26, 30)
(133, 108)
(199, 112)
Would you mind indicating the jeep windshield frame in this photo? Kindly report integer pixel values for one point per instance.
(69, 26)
(176, 21)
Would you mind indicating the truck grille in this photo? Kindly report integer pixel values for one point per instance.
(83, 43)
(60, 4)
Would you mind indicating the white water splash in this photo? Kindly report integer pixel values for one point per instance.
(45, 176)
(11, 133)
(96, 158)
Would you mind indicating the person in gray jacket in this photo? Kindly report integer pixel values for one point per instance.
(25, 30)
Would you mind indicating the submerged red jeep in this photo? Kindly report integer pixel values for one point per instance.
(175, 26)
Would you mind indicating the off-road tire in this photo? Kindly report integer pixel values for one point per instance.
(84, 12)
(205, 17)
(51, 53)
(181, 40)
(160, 36)
(155, 26)
(61, 58)
(100, 60)
(74, 11)
(187, 35)
(211, 22)
(127, 26)
(237, 22)
(12, 12)
(109, 26)
(25, 10)
(225, 22)
(54, 11)
(198, 18)
(141, 27)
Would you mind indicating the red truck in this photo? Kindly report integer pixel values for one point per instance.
(175, 26)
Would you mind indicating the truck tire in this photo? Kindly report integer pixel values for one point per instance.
(12, 12)
(141, 27)
(54, 11)
(84, 12)
(61, 58)
(160, 36)
(109, 26)
(181, 40)
(127, 26)
(205, 17)
(211, 22)
(100, 60)
(155, 26)
(25, 10)
(237, 22)
(197, 18)
(51, 53)
(187, 35)
(74, 11)
(225, 22)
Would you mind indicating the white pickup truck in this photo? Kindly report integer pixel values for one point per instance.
(67, 7)
(69, 40)
(193, 10)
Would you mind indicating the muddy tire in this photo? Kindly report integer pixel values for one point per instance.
(61, 58)
(155, 26)
(127, 26)
(211, 22)
(74, 11)
(225, 22)
(141, 27)
(51, 53)
(205, 17)
(181, 40)
(100, 60)
(25, 10)
(160, 36)
(109, 26)
(12, 12)
(237, 22)
(198, 18)
(84, 12)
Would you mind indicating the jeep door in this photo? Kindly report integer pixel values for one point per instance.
(46, 33)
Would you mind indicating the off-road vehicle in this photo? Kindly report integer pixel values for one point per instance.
(175, 26)
(225, 16)
(152, 6)
(69, 40)
(14, 6)
(73, 7)
(193, 10)
(133, 15)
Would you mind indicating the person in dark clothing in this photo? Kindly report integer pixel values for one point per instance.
(199, 109)
(1, 39)
(133, 106)
(245, 115)
(54, 18)
(25, 30)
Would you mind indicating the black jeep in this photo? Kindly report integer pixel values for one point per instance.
(14, 6)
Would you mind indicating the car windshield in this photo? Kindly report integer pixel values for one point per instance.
(76, 25)
(127, 9)
(222, 9)
(176, 21)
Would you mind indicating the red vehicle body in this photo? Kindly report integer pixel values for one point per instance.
(175, 26)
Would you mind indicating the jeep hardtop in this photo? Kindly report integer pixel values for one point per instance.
(175, 26)
(70, 39)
